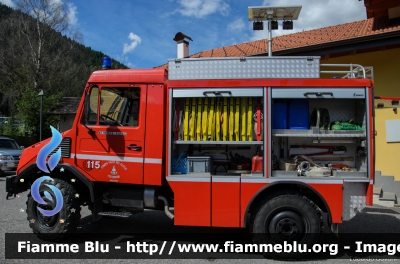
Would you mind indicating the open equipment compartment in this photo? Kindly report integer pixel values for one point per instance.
(327, 127)
(214, 131)
(185, 76)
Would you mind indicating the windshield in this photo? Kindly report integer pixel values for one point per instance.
(8, 144)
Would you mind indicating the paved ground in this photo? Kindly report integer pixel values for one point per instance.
(375, 219)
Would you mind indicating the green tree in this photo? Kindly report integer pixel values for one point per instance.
(29, 111)
(34, 56)
(41, 50)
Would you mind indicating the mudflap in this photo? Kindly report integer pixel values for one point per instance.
(9, 183)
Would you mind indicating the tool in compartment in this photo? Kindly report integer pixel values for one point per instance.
(219, 159)
(320, 118)
(303, 167)
(330, 150)
(330, 158)
(258, 125)
(239, 162)
(257, 162)
(338, 166)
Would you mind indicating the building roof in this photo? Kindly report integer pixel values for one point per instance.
(378, 8)
(69, 105)
(348, 31)
(343, 34)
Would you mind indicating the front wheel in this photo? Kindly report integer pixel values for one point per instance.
(287, 218)
(55, 227)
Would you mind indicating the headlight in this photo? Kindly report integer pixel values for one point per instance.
(6, 157)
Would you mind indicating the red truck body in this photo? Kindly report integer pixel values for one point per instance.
(108, 158)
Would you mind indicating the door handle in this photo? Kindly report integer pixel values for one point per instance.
(134, 147)
(318, 94)
(217, 93)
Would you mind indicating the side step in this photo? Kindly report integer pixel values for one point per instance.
(116, 214)
(388, 196)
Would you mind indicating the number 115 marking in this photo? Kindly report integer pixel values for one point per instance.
(93, 164)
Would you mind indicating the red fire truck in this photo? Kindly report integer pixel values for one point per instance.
(266, 143)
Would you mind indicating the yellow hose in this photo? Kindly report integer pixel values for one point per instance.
(186, 120)
(250, 120)
(204, 120)
(231, 118)
(192, 119)
(244, 113)
(225, 120)
(211, 123)
(198, 118)
(218, 120)
(237, 112)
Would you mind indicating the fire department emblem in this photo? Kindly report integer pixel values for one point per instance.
(113, 174)
(114, 171)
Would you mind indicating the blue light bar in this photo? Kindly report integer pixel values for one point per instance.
(106, 63)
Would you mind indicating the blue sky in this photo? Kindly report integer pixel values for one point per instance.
(140, 33)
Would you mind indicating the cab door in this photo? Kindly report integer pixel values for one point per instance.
(110, 145)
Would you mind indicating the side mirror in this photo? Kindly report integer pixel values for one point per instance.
(22, 147)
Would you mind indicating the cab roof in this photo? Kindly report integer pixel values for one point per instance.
(129, 76)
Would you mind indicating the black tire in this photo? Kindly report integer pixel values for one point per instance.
(54, 228)
(287, 218)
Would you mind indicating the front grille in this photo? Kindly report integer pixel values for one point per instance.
(65, 148)
(16, 157)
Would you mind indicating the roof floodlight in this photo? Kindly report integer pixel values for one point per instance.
(258, 25)
(287, 25)
(273, 14)
(274, 25)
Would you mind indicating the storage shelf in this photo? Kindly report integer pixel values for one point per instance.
(218, 142)
(321, 134)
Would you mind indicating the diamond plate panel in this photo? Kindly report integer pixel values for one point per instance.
(239, 68)
(354, 196)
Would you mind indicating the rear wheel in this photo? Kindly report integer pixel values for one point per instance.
(54, 228)
(287, 218)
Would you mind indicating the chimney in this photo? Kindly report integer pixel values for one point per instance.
(182, 45)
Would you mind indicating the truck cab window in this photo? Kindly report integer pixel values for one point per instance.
(91, 116)
(119, 106)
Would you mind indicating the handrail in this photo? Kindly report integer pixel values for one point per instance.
(353, 72)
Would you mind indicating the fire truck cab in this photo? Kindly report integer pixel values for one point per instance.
(263, 143)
